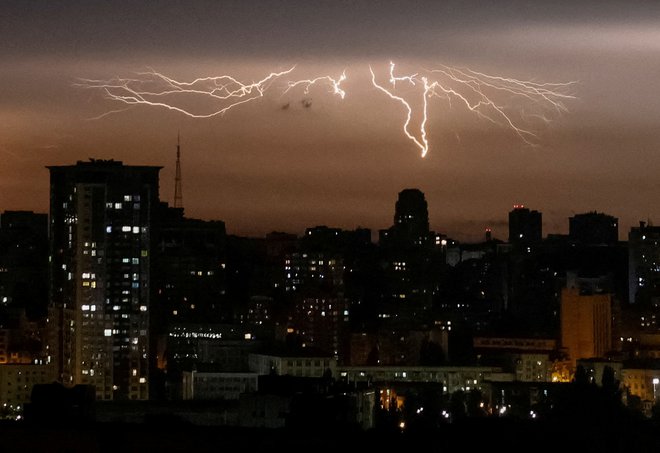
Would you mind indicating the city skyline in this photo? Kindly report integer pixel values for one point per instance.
(290, 161)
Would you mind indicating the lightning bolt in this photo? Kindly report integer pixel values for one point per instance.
(474, 91)
(335, 83)
(423, 144)
(158, 90)
(479, 93)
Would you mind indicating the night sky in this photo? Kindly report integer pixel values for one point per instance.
(290, 159)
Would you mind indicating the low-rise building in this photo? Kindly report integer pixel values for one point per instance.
(217, 386)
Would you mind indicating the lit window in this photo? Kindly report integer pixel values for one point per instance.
(117, 205)
(107, 332)
(126, 229)
(136, 229)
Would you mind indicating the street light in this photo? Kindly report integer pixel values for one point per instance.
(656, 381)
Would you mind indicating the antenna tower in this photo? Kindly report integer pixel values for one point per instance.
(178, 195)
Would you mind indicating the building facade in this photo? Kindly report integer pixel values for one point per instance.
(586, 324)
(101, 219)
(644, 266)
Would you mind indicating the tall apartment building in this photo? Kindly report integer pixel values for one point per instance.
(586, 323)
(23, 264)
(101, 218)
(644, 266)
(525, 226)
(593, 228)
(411, 221)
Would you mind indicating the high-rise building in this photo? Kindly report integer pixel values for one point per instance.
(586, 323)
(525, 226)
(189, 272)
(101, 219)
(411, 217)
(644, 266)
(24, 263)
(593, 228)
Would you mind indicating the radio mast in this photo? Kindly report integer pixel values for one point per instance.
(178, 195)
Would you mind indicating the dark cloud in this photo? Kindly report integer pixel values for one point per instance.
(291, 28)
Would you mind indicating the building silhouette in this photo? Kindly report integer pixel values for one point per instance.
(189, 272)
(593, 228)
(644, 265)
(411, 221)
(101, 220)
(525, 226)
(23, 264)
